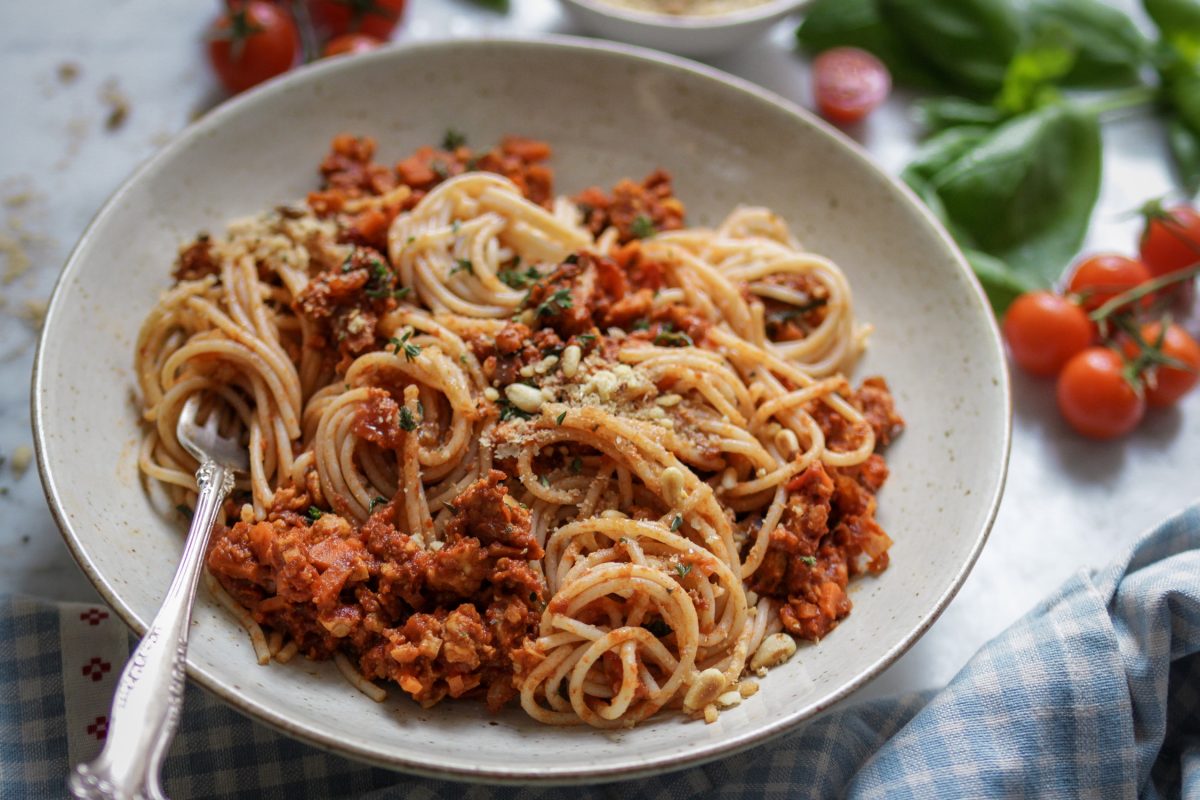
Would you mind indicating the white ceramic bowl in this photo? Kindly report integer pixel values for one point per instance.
(686, 35)
(935, 339)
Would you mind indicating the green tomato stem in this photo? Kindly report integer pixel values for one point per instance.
(1140, 291)
(1123, 100)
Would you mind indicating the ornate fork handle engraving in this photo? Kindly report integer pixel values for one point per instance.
(149, 697)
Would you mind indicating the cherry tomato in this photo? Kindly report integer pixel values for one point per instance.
(1164, 384)
(1100, 278)
(1171, 240)
(1044, 330)
(376, 18)
(251, 42)
(849, 84)
(1094, 397)
(349, 43)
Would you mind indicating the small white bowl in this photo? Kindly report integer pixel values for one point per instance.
(685, 35)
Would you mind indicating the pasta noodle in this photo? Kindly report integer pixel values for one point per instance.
(512, 445)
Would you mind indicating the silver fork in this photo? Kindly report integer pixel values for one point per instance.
(145, 710)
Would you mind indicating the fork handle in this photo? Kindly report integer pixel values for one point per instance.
(145, 710)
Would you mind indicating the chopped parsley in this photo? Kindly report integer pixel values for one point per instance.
(676, 523)
(376, 501)
(576, 464)
(313, 513)
(462, 265)
(673, 339)
(559, 301)
(453, 139)
(381, 278)
(407, 421)
(402, 292)
(658, 627)
(683, 569)
(348, 264)
(453, 509)
(641, 325)
(572, 259)
(642, 227)
(809, 560)
(561, 417)
(585, 339)
(515, 279)
(544, 481)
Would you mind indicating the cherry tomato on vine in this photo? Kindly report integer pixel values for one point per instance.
(251, 42)
(1100, 278)
(1171, 240)
(1094, 396)
(1165, 384)
(849, 84)
(349, 43)
(1044, 330)
(376, 18)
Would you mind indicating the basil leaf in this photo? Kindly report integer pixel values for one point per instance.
(1025, 192)
(859, 23)
(942, 150)
(1001, 283)
(1175, 17)
(1030, 79)
(936, 114)
(1109, 48)
(1185, 148)
(970, 41)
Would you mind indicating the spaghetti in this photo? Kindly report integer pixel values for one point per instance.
(511, 445)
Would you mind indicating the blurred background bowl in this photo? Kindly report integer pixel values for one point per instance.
(687, 35)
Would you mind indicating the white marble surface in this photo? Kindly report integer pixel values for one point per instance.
(1069, 503)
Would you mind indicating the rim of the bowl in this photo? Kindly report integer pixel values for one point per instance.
(363, 751)
(692, 22)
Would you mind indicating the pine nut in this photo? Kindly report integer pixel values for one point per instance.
(526, 398)
(774, 650)
(570, 360)
(672, 485)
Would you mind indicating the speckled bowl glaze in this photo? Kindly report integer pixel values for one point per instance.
(609, 112)
(694, 35)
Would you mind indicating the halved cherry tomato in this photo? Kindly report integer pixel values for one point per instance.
(1044, 330)
(1094, 396)
(1166, 384)
(849, 84)
(1171, 240)
(376, 18)
(1100, 278)
(349, 43)
(251, 42)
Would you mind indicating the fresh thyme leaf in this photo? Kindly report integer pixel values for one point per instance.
(407, 422)
(642, 227)
(453, 139)
(453, 509)
(576, 464)
(676, 523)
(314, 513)
(809, 560)
(463, 265)
(673, 339)
(376, 501)
(683, 569)
(559, 301)
(641, 325)
(561, 417)
(402, 292)
(544, 481)
(585, 339)
(509, 411)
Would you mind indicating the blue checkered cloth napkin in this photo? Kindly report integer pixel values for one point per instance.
(1093, 694)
